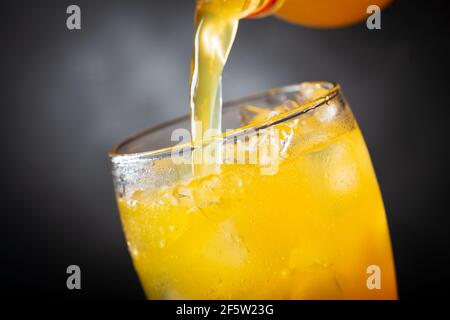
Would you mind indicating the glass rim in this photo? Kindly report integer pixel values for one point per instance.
(116, 156)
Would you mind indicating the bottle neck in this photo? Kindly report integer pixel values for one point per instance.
(261, 8)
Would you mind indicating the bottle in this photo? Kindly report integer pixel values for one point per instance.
(314, 13)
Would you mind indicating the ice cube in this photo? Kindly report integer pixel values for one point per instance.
(226, 246)
(316, 283)
(252, 114)
(310, 91)
(184, 195)
(327, 113)
(208, 191)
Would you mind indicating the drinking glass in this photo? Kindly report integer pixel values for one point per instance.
(291, 209)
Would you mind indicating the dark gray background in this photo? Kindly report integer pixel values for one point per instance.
(68, 96)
